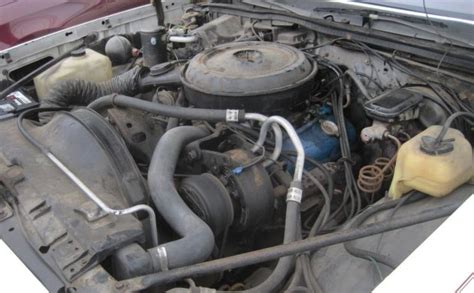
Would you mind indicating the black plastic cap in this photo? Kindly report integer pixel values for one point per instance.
(430, 146)
(79, 52)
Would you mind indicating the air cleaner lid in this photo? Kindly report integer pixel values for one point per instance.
(248, 68)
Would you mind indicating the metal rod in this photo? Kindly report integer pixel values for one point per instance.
(103, 205)
(290, 130)
(278, 136)
(267, 254)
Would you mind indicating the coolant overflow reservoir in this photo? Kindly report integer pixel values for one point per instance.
(82, 64)
(436, 175)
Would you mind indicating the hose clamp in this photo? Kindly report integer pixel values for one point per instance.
(113, 100)
(163, 257)
(232, 115)
(294, 194)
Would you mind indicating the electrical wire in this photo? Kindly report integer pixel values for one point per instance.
(330, 42)
(371, 79)
(320, 166)
(448, 123)
(377, 268)
(443, 36)
(318, 224)
(327, 194)
(395, 64)
(254, 161)
(337, 103)
(370, 211)
(450, 105)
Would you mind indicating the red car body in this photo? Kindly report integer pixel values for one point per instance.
(23, 20)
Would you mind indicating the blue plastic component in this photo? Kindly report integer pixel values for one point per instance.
(318, 145)
(237, 170)
(325, 110)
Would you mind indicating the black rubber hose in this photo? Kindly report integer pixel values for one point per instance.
(197, 240)
(337, 100)
(173, 121)
(213, 115)
(266, 254)
(286, 263)
(370, 255)
(81, 92)
(160, 14)
(26, 134)
(448, 122)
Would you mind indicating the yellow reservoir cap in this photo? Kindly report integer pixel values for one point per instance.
(436, 175)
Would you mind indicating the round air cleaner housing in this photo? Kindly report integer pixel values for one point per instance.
(256, 76)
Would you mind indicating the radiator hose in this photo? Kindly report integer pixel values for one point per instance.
(197, 239)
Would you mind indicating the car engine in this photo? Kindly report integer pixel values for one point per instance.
(230, 153)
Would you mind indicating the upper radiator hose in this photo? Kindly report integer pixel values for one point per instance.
(197, 239)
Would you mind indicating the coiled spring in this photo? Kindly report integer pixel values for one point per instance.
(371, 177)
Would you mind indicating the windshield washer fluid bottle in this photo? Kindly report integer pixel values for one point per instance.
(83, 64)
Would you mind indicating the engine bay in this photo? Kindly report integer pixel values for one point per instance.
(232, 153)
